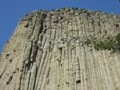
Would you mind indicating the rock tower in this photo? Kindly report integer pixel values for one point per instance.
(54, 50)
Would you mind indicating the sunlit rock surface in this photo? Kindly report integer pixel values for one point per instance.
(54, 50)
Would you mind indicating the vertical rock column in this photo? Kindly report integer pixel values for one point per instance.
(54, 50)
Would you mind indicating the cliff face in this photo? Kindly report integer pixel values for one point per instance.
(54, 50)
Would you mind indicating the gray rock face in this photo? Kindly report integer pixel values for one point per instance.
(50, 50)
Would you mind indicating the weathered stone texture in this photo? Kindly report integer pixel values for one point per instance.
(53, 50)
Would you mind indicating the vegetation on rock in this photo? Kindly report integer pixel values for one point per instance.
(112, 43)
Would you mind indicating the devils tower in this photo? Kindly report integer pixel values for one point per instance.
(60, 50)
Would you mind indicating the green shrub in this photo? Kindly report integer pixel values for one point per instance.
(118, 38)
(106, 44)
(113, 43)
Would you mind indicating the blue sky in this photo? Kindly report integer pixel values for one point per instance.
(12, 10)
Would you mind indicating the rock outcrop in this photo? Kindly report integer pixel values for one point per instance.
(54, 50)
